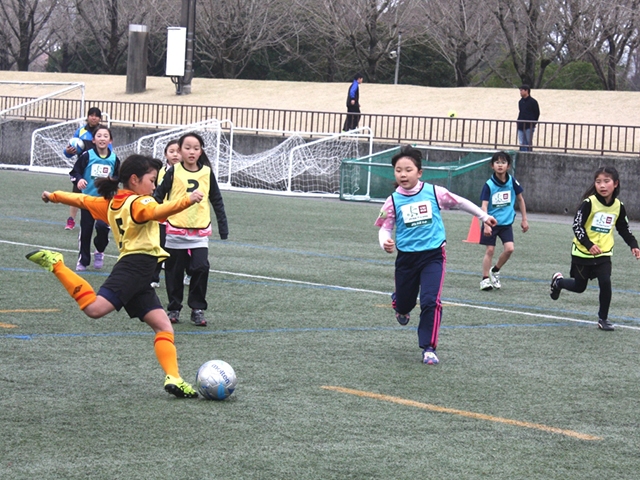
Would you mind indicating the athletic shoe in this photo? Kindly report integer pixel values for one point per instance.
(485, 284)
(71, 224)
(494, 277)
(186, 280)
(45, 258)
(429, 357)
(155, 284)
(98, 260)
(174, 316)
(403, 319)
(555, 287)
(197, 317)
(80, 267)
(606, 325)
(178, 387)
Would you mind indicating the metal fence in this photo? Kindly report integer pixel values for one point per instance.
(583, 138)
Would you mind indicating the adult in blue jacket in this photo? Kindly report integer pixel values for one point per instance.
(353, 104)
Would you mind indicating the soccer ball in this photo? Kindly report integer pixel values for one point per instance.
(452, 114)
(216, 380)
(78, 144)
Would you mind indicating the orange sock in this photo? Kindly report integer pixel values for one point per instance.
(78, 287)
(166, 353)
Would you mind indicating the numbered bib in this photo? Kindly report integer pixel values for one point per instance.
(417, 214)
(100, 170)
(501, 199)
(603, 222)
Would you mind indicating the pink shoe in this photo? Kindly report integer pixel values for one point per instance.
(98, 260)
(71, 223)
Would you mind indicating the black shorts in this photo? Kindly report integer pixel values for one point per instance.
(75, 189)
(505, 232)
(581, 270)
(129, 285)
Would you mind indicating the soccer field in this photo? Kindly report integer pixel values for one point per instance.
(329, 385)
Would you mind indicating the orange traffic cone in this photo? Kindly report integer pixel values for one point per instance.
(474, 231)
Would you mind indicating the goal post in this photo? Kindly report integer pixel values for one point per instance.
(462, 171)
(33, 101)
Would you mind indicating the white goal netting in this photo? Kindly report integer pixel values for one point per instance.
(32, 101)
(296, 165)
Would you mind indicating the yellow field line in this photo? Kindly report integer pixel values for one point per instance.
(37, 310)
(477, 416)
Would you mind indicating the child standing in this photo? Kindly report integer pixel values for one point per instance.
(499, 195)
(414, 210)
(85, 133)
(133, 215)
(171, 156)
(99, 162)
(188, 232)
(592, 245)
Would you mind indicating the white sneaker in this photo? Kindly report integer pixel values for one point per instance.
(485, 284)
(494, 277)
(155, 284)
(186, 280)
(429, 357)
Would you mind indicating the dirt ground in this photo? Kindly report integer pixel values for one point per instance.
(573, 106)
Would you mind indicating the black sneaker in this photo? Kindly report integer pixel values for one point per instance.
(555, 288)
(197, 317)
(605, 325)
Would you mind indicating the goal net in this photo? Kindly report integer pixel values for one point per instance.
(34, 101)
(462, 171)
(297, 166)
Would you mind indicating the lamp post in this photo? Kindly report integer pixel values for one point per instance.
(395, 79)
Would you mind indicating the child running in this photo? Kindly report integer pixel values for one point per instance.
(188, 232)
(133, 214)
(84, 133)
(497, 197)
(99, 162)
(592, 245)
(414, 210)
(171, 156)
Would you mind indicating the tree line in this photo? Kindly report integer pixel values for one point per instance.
(572, 44)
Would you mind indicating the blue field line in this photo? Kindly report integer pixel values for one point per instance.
(36, 336)
(31, 220)
(285, 283)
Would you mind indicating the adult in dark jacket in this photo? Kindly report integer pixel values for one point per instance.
(353, 104)
(528, 110)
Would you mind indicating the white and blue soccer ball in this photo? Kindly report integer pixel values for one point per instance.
(216, 380)
(78, 144)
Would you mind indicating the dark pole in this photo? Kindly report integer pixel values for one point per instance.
(137, 59)
(188, 20)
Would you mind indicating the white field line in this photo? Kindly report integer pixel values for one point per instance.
(361, 290)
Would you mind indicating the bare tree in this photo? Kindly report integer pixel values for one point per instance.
(610, 30)
(370, 28)
(105, 25)
(24, 31)
(229, 33)
(462, 31)
(529, 33)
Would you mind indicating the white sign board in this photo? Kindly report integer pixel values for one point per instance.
(176, 51)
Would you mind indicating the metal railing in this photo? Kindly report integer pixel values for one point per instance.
(562, 137)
